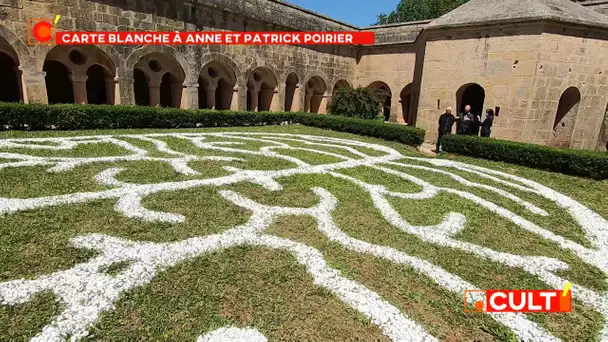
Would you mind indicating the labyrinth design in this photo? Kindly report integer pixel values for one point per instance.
(87, 292)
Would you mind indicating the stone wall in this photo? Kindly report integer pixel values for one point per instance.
(524, 70)
(570, 61)
(392, 65)
(330, 63)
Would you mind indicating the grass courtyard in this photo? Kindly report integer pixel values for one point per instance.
(299, 233)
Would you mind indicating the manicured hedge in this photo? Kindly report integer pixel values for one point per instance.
(73, 116)
(568, 161)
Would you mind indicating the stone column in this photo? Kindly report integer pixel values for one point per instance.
(125, 89)
(253, 100)
(275, 105)
(79, 86)
(154, 89)
(112, 93)
(34, 85)
(296, 103)
(19, 84)
(308, 101)
(397, 111)
(237, 94)
(254, 92)
(210, 94)
(323, 105)
(190, 98)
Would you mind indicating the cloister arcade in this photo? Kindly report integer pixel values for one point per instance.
(88, 75)
(79, 75)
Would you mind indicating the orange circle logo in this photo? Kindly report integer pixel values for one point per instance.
(43, 31)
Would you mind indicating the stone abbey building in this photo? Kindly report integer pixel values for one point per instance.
(543, 62)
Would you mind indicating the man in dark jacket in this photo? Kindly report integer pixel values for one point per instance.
(486, 125)
(475, 125)
(446, 121)
(465, 120)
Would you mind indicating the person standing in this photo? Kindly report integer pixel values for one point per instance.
(465, 120)
(476, 124)
(446, 122)
(486, 125)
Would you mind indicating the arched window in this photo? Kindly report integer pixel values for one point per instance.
(565, 118)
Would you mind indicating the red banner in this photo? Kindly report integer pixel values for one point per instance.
(204, 38)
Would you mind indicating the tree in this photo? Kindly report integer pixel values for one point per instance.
(361, 102)
(410, 10)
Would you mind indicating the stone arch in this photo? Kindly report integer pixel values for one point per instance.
(261, 89)
(287, 73)
(291, 86)
(315, 95)
(216, 86)
(565, 117)
(223, 59)
(81, 63)
(18, 49)
(10, 87)
(405, 97)
(386, 94)
(164, 79)
(471, 94)
(340, 84)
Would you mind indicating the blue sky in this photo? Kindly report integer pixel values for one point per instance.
(356, 12)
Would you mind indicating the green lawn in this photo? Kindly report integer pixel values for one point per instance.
(182, 286)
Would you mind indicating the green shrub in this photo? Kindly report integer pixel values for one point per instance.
(567, 161)
(73, 116)
(365, 103)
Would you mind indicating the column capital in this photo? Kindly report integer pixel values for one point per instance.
(190, 84)
(79, 78)
(154, 83)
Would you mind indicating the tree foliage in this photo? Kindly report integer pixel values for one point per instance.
(410, 10)
(361, 102)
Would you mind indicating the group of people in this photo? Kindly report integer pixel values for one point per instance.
(467, 123)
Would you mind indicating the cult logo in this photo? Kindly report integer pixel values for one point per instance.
(41, 31)
(518, 300)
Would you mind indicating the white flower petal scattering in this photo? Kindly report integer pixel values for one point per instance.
(86, 291)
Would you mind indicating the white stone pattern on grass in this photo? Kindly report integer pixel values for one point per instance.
(230, 334)
(87, 291)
